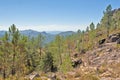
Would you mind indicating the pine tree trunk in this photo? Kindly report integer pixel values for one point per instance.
(40, 52)
(13, 65)
(4, 74)
(60, 55)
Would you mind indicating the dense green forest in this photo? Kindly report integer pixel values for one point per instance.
(21, 55)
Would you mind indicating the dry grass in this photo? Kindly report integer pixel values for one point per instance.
(89, 77)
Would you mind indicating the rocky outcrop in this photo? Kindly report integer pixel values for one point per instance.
(105, 59)
(113, 37)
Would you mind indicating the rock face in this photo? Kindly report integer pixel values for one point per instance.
(106, 59)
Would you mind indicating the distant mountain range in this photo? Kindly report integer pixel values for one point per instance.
(49, 35)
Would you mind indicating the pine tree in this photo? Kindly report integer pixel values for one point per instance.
(79, 40)
(21, 56)
(40, 42)
(14, 38)
(108, 14)
(92, 34)
(87, 29)
(58, 40)
(47, 62)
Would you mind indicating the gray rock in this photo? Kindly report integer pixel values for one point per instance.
(102, 41)
(33, 75)
(108, 50)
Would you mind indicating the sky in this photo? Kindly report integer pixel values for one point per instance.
(52, 15)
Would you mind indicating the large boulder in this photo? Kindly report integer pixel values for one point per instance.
(76, 62)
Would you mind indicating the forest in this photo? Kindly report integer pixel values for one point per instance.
(65, 56)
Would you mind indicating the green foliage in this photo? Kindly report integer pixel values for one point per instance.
(59, 43)
(14, 34)
(92, 26)
(108, 9)
(14, 38)
(98, 26)
(92, 35)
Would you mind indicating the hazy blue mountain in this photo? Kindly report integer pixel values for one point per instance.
(49, 35)
(2, 33)
(66, 33)
(54, 32)
(32, 33)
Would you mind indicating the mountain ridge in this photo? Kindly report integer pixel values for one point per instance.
(49, 35)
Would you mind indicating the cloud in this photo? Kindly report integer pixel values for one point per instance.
(48, 27)
(3, 27)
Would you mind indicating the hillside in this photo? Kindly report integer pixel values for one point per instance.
(101, 63)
